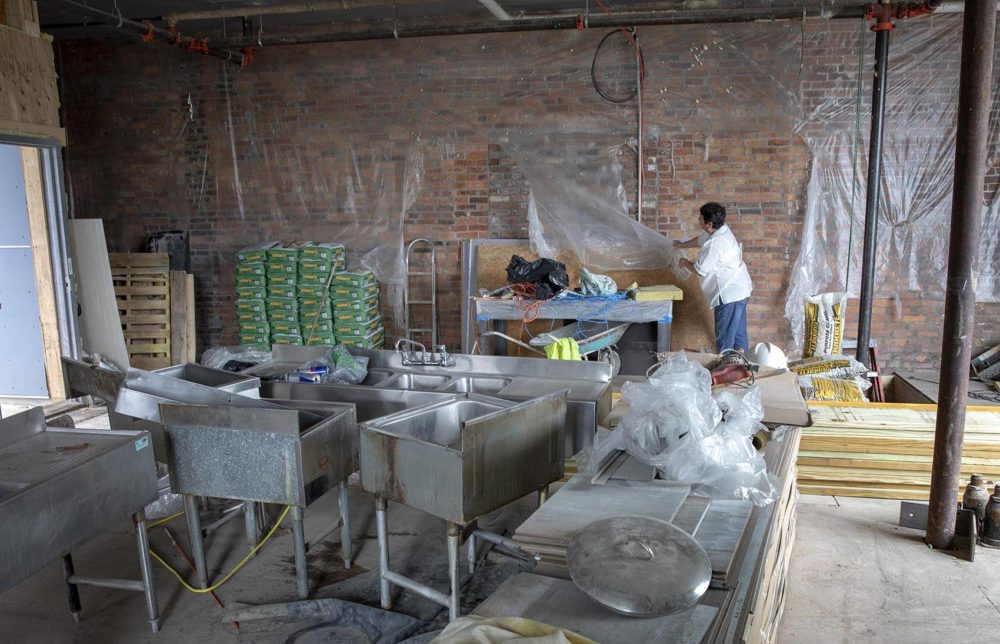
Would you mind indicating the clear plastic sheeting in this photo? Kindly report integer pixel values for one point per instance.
(219, 357)
(918, 162)
(575, 307)
(674, 424)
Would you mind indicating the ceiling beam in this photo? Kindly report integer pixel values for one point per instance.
(300, 7)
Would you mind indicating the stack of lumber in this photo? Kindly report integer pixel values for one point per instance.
(142, 289)
(885, 450)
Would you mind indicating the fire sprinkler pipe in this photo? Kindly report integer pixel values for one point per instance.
(147, 31)
(882, 14)
(975, 85)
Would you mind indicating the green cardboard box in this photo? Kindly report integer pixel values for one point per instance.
(281, 268)
(252, 268)
(326, 251)
(282, 304)
(321, 266)
(321, 340)
(323, 314)
(254, 253)
(287, 338)
(286, 291)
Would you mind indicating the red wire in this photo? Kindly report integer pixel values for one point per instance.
(631, 39)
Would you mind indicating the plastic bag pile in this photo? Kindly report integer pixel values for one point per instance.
(676, 425)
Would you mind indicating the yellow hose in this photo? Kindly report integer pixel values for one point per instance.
(165, 519)
(231, 572)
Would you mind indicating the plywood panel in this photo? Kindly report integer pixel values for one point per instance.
(693, 326)
(48, 317)
(29, 96)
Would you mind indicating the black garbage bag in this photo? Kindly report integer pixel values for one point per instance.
(548, 276)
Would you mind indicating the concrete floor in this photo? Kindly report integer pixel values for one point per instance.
(856, 576)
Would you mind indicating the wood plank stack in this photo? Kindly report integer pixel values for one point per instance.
(885, 450)
(142, 289)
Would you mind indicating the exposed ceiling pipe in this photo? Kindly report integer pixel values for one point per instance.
(177, 17)
(493, 7)
(434, 27)
(147, 32)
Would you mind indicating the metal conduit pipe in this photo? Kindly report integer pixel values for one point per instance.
(176, 17)
(117, 21)
(975, 85)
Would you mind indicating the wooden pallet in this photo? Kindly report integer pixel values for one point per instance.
(885, 450)
(142, 289)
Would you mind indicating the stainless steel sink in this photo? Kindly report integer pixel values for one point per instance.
(465, 456)
(414, 381)
(8, 489)
(475, 385)
(370, 402)
(375, 376)
(217, 378)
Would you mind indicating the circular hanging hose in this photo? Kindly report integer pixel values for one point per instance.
(606, 92)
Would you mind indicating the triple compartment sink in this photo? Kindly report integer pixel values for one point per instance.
(463, 384)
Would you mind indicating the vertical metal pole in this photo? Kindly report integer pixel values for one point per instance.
(874, 189)
(197, 540)
(454, 533)
(146, 568)
(640, 153)
(73, 591)
(978, 34)
(346, 549)
(299, 539)
(250, 519)
(383, 552)
(472, 553)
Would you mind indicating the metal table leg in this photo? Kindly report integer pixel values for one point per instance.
(383, 552)
(346, 548)
(250, 518)
(73, 591)
(146, 567)
(472, 553)
(197, 540)
(299, 537)
(454, 533)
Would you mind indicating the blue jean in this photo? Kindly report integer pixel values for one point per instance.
(731, 326)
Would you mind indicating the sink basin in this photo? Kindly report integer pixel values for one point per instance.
(476, 385)
(440, 424)
(414, 381)
(7, 489)
(217, 378)
(375, 376)
(464, 456)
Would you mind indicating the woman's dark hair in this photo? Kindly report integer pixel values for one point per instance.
(714, 214)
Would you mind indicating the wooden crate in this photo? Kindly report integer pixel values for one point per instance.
(142, 289)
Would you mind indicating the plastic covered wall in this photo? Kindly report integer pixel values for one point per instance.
(917, 170)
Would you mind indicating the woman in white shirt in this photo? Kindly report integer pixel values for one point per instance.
(723, 275)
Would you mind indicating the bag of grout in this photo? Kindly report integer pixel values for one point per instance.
(825, 315)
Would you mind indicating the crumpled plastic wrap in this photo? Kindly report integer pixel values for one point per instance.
(219, 357)
(675, 424)
(336, 367)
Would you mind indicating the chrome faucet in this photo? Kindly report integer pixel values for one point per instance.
(438, 358)
(410, 357)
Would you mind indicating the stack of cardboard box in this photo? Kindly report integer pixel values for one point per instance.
(357, 322)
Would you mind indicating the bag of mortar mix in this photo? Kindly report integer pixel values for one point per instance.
(828, 367)
(825, 315)
(834, 389)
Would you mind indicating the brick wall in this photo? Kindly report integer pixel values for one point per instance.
(262, 152)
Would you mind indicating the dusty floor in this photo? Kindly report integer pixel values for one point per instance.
(855, 577)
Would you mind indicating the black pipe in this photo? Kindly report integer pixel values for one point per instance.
(874, 190)
(117, 21)
(975, 85)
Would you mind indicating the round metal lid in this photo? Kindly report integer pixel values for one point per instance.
(638, 566)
